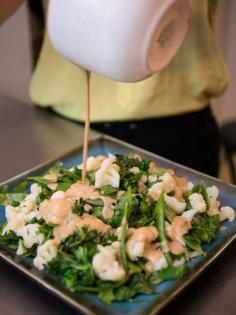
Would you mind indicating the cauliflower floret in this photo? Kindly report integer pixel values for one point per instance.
(189, 214)
(112, 156)
(189, 186)
(28, 204)
(35, 189)
(139, 239)
(152, 178)
(212, 192)
(108, 174)
(58, 195)
(92, 163)
(227, 213)
(137, 156)
(15, 222)
(140, 244)
(153, 254)
(155, 191)
(144, 234)
(18, 216)
(214, 204)
(21, 250)
(29, 216)
(167, 185)
(178, 228)
(169, 182)
(30, 234)
(197, 202)
(134, 170)
(45, 253)
(174, 204)
(106, 264)
(11, 212)
(155, 258)
(135, 249)
(158, 264)
(152, 167)
(179, 262)
(141, 183)
(143, 179)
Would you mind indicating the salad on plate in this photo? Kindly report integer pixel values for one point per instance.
(127, 228)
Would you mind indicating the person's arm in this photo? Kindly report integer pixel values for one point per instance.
(7, 8)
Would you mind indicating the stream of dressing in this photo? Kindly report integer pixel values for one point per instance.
(87, 126)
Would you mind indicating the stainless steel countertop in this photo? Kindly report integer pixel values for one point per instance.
(30, 136)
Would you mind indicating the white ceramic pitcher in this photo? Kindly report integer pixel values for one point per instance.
(125, 40)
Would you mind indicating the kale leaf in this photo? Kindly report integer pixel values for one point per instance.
(13, 198)
(169, 273)
(9, 239)
(126, 290)
(47, 230)
(119, 210)
(108, 191)
(78, 207)
(200, 188)
(204, 229)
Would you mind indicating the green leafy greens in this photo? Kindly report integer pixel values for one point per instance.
(133, 207)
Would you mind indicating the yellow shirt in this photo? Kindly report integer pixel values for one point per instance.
(187, 84)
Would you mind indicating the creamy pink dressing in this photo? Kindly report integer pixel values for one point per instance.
(120, 193)
(141, 187)
(152, 253)
(176, 248)
(54, 211)
(181, 186)
(67, 227)
(179, 227)
(58, 211)
(152, 167)
(179, 194)
(93, 223)
(86, 127)
(73, 222)
(169, 171)
(107, 212)
(181, 182)
(101, 158)
(82, 190)
(155, 194)
(145, 233)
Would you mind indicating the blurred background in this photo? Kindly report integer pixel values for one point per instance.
(21, 37)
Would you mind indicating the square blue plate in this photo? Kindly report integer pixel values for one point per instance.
(167, 291)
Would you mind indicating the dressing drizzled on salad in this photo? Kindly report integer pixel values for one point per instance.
(128, 227)
(87, 126)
